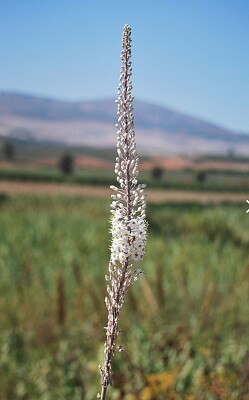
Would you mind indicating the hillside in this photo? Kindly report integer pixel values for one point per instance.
(160, 130)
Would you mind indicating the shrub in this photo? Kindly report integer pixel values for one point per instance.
(201, 176)
(8, 149)
(66, 163)
(157, 172)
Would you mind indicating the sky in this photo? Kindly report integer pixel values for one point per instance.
(189, 55)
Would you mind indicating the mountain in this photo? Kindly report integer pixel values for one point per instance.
(158, 129)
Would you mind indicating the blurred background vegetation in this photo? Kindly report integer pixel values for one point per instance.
(41, 162)
(185, 322)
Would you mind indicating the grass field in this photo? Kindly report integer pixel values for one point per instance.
(185, 323)
(37, 162)
(180, 180)
(88, 191)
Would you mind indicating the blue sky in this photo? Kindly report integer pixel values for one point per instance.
(190, 55)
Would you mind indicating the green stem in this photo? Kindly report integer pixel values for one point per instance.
(103, 392)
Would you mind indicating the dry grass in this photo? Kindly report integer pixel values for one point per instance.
(154, 195)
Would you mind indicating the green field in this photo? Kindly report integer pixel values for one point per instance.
(217, 181)
(27, 166)
(185, 323)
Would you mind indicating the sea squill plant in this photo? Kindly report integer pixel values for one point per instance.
(128, 223)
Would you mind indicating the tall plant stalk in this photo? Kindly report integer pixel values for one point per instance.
(128, 223)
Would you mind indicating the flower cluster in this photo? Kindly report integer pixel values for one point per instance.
(128, 223)
(128, 238)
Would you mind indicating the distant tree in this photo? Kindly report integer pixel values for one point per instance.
(66, 163)
(231, 153)
(157, 172)
(201, 176)
(8, 149)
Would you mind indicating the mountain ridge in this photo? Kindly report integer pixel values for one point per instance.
(159, 128)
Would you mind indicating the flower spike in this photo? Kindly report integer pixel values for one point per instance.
(128, 223)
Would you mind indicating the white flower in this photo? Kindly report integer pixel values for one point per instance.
(128, 223)
(128, 238)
